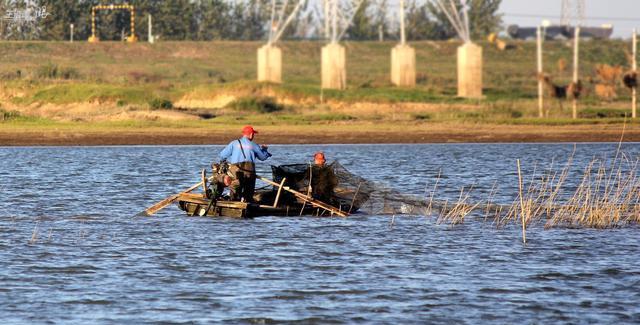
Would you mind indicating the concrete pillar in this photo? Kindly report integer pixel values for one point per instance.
(470, 71)
(403, 66)
(270, 64)
(334, 66)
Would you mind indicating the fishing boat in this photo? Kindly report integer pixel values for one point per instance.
(281, 198)
(199, 205)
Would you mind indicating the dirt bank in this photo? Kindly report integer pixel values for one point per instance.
(348, 133)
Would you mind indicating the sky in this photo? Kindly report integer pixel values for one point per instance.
(624, 15)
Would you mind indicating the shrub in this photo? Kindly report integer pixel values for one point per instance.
(160, 103)
(52, 71)
(47, 71)
(256, 104)
(603, 113)
(139, 76)
(8, 115)
(68, 73)
(422, 116)
(333, 117)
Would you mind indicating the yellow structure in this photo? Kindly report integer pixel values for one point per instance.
(270, 64)
(403, 66)
(334, 69)
(131, 39)
(470, 71)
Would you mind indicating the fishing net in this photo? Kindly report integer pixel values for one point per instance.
(348, 191)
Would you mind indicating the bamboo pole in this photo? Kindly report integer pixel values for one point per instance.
(540, 72)
(277, 200)
(576, 49)
(634, 63)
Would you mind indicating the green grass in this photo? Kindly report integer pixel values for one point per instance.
(147, 76)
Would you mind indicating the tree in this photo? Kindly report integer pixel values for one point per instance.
(361, 27)
(483, 18)
(418, 24)
(380, 19)
(212, 20)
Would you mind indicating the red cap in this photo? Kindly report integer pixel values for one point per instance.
(248, 130)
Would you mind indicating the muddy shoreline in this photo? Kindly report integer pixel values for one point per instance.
(349, 135)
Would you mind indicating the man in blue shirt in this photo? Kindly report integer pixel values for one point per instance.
(241, 155)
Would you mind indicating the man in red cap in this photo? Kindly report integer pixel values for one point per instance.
(241, 155)
(319, 159)
(323, 179)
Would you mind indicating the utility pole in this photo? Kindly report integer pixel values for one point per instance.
(150, 34)
(540, 72)
(576, 49)
(634, 63)
(572, 12)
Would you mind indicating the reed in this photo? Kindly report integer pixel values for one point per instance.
(34, 234)
(459, 210)
(607, 195)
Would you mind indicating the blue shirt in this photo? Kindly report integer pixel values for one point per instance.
(233, 152)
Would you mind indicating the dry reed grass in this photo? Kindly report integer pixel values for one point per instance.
(606, 196)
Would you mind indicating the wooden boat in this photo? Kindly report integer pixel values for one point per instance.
(280, 200)
(198, 205)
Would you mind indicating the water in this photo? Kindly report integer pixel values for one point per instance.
(92, 261)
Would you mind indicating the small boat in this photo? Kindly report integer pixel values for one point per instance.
(281, 199)
(198, 205)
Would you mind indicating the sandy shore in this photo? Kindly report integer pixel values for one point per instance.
(350, 133)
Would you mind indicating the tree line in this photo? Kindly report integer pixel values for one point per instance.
(205, 20)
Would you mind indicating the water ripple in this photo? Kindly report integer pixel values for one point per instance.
(72, 252)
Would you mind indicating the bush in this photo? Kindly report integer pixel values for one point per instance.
(604, 113)
(256, 104)
(68, 73)
(47, 71)
(333, 117)
(422, 116)
(52, 71)
(160, 103)
(5, 115)
(143, 77)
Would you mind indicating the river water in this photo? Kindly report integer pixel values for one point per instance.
(72, 250)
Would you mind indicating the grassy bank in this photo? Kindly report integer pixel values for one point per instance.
(209, 85)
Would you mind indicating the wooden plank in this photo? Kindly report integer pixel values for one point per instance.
(162, 204)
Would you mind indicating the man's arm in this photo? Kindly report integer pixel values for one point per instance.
(261, 152)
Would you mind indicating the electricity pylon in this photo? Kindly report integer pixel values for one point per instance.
(572, 13)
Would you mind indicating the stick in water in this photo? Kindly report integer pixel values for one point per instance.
(164, 203)
(522, 216)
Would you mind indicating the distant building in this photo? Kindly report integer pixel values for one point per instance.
(560, 32)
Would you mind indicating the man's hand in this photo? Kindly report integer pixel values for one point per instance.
(264, 147)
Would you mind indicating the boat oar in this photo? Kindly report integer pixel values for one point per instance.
(306, 198)
(163, 204)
